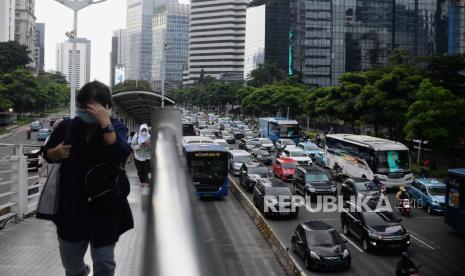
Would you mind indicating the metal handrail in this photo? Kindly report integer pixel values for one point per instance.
(172, 242)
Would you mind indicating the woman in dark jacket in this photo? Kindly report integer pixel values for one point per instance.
(80, 144)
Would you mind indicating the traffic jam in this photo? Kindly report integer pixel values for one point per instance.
(341, 203)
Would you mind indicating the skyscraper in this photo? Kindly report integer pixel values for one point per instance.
(118, 53)
(170, 30)
(216, 39)
(7, 20)
(83, 54)
(267, 34)
(139, 37)
(25, 22)
(39, 54)
(456, 24)
(333, 37)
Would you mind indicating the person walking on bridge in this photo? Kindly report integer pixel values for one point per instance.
(91, 149)
(141, 147)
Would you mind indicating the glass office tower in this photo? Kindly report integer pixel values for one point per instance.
(170, 28)
(267, 34)
(331, 37)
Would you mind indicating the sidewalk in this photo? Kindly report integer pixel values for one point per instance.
(30, 247)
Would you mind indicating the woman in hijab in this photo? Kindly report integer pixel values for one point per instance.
(141, 146)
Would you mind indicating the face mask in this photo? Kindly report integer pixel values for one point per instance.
(86, 117)
(143, 133)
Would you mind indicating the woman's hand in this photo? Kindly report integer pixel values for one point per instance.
(100, 113)
(59, 152)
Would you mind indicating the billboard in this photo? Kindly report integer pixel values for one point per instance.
(119, 74)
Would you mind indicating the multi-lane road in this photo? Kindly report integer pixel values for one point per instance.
(435, 246)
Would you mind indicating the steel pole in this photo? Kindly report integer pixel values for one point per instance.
(72, 105)
(163, 77)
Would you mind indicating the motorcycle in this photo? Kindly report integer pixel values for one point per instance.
(382, 188)
(404, 207)
(411, 271)
(336, 174)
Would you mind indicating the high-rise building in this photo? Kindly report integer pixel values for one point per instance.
(25, 22)
(118, 54)
(217, 39)
(139, 37)
(333, 37)
(267, 34)
(456, 24)
(39, 39)
(170, 32)
(64, 60)
(7, 20)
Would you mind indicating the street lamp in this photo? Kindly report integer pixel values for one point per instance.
(75, 5)
(165, 47)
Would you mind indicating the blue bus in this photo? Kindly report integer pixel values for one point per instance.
(276, 128)
(208, 164)
(454, 215)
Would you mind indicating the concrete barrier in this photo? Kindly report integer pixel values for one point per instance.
(287, 261)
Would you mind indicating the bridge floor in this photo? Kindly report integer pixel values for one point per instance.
(30, 247)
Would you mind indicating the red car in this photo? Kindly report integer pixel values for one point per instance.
(284, 168)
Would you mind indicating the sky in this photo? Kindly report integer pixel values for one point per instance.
(95, 22)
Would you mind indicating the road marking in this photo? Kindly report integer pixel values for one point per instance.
(428, 217)
(329, 219)
(351, 242)
(422, 242)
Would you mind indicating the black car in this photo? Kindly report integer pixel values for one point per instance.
(249, 144)
(251, 172)
(375, 228)
(313, 181)
(262, 156)
(33, 160)
(237, 133)
(228, 137)
(359, 188)
(273, 198)
(320, 246)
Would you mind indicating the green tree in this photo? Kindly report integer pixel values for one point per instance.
(21, 89)
(12, 56)
(436, 116)
(5, 102)
(447, 71)
(266, 74)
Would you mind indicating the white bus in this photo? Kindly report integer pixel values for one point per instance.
(366, 156)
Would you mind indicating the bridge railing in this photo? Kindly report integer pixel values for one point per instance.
(20, 183)
(172, 243)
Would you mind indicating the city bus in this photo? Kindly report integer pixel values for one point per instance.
(208, 165)
(366, 156)
(454, 215)
(279, 128)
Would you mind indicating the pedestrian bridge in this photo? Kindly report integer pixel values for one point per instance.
(175, 233)
(135, 107)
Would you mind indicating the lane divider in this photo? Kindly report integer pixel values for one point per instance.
(353, 243)
(288, 262)
(421, 241)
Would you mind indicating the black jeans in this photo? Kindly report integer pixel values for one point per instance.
(143, 169)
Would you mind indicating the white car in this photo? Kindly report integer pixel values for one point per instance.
(298, 155)
(283, 143)
(266, 143)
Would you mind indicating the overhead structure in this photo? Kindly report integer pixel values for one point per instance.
(139, 104)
